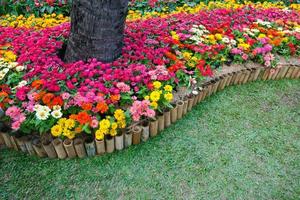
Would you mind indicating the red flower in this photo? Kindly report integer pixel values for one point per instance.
(205, 70)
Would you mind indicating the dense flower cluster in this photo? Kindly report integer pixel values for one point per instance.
(138, 10)
(39, 92)
(31, 21)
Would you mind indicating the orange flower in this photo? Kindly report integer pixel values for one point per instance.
(3, 95)
(178, 43)
(37, 84)
(73, 116)
(277, 41)
(78, 129)
(100, 94)
(87, 106)
(38, 96)
(115, 98)
(171, 56)
(83, 118)
(102, 107)
(47, 98)
(57, 101)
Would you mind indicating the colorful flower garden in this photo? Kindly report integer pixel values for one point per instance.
(173, 58)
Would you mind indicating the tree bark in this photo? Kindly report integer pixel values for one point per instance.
(97, 28)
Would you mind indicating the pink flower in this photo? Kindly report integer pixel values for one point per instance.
(123, 87)
(30, 107)
(150, 113)
(94, 123)
(141, 109)
(16, 125)
(245, 56)
(236, 51)
(268, 63)
(13, 112)
(65, 96)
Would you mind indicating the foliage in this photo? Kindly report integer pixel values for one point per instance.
(41, 7)
(37, 7)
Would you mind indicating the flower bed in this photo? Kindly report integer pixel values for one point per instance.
(64, 109)
(87, 146)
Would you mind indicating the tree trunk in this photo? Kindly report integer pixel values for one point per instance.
(96, 30)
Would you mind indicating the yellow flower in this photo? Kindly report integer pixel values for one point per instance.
(195, 59)
(104, 124)
(168, 96)
(285, 39)
(56, 130)
(69, 134)
(113, 132)
(119, 114)
(122, 124)
(147, 97)
(99, 135)
(174, 35)
(168, 88)
(187, 55)
(9, 56)
(157, 84)
(70, 123)
(244, 46)
(261, 35)
(240, 40)
(154, 105)
(61, 122)
(218, 36)
(155, 96)
(114, 125)
(211, 37)
(191, 64)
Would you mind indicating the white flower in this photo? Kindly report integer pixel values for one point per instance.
(13, 64)
(22, 83)
(202, 27)
(1, 76)
(233, 42)
(20, 68)
(46, 109)
(225, 40)
(194, 37)
(250, 33)
(56, 114)
(37, 107)
(297, 30)
(195, 92)
(193, 81)
(57, 107)
(194, 30)
(255, 30)
(5, 70)
(42, 114)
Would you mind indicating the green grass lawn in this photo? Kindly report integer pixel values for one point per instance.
(242, 143)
